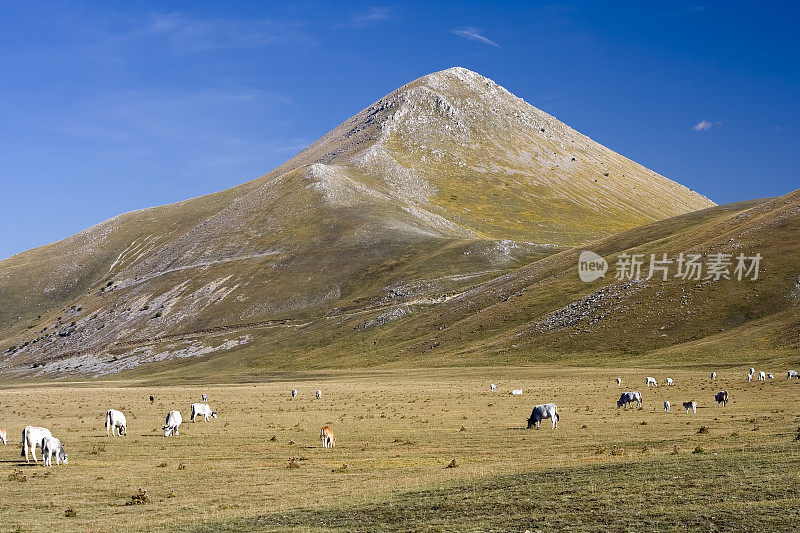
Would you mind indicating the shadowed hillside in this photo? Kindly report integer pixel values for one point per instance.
(543, 310)
(446, 183)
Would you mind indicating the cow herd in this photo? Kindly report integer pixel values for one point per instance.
(116, 423)
(627, 399)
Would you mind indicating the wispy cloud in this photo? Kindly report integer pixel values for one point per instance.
(474, 34)
(185, 34)
(166, 115)
(371, 16)
(705, 125)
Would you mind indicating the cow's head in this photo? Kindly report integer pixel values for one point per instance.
(213, 414)
(531, 422)
(62, 454)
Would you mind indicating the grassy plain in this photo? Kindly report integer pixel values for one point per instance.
(396, 432)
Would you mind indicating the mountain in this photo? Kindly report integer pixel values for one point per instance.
(446, 183)
(544, 312)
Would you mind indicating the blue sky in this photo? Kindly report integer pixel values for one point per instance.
(108, 107)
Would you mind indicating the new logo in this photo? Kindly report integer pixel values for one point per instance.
(591, 266)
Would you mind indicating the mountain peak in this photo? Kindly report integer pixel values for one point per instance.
(456, 135)
(448, 179)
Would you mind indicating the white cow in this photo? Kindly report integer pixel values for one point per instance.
(619, 382)
(516, 392)
(32, 437)
(792, 374)
(318, 394)
(202, 409)
(666, 406)
(669, 382)
(52, 446)
(294, 393)
(204, 397)
(770, 376)
(540, 412)
(116, 423)
(174, 420)
(690, 405)
(493, 387)
(762, 376)
(3, 436)
(713, 375)
(651, 381)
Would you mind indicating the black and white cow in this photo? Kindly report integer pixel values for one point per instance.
(540, 412)
(628, 398)
(721, 397)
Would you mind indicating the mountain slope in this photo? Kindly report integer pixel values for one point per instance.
(544, 310)
(445, 183)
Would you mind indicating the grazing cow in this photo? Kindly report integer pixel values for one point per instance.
(32, 437)
(721, 397)
(516, 392)
(116, 423)
(749, 378)
(792, 374)
(762, 376)
(204, 397)
(666, 406)
(770, 376)
(752, 370)
(713, 375)
(540, 412)
(669, 382)
(651, 381)
(493, 387)
(619, 382)
(52, 446)
(294, 393)
(202, 409)
(3, 436)
(174, 420)
(690, 405)
(327, 437)
(628, 398)
(318, 394)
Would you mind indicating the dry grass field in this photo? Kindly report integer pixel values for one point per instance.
(396, 432)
